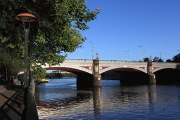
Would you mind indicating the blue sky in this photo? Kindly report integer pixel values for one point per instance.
(124, 25)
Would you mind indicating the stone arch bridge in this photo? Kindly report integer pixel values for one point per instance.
(92, 69)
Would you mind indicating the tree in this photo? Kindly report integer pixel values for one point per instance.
(176, 58)
(56, 30)
(10, 65)
(146, 59)
(39, 73)
(157, 59)
(169, 60)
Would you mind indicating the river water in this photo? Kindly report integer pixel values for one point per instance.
(60, 100)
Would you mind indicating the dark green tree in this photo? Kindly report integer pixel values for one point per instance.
(169, 60)
(39, 73)
(176, 58)
(157, 59)
(56, 31)
(10, 65)
(146, 59)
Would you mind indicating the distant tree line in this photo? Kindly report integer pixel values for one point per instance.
(59, 75)
(53, 75)
(175, 59)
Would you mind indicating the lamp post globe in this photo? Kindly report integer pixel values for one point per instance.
(26, 18)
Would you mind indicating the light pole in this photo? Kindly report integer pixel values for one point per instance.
(142, 52)
(82, 52)
(178, 56)
(160, 55)
(126, 54)
(26, 18)
(92, 49)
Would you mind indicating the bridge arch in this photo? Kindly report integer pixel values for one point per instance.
(168, 76)
(84, 77)
(69, 69)
(163, 68)
(122, 67)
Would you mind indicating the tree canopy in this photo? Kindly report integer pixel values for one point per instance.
(56, 30)
(175, 59)
(9, 64)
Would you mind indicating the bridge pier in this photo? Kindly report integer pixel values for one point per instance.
(152, 79)
(90, 80)
(96, 75)
(97, 81)
(151, 76)
(84, 80)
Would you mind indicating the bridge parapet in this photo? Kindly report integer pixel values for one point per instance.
(77, 62)
(120, 61)
(109, 65)
(106, 65)
(158, 66)
(165, 64)
(72, 65)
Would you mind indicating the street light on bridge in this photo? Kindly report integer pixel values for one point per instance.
(178, 56)
(160, 55)
(142, 52)
(92, 49)
(26, 19)
(126, 52)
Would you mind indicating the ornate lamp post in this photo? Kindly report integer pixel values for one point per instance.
(26, 19)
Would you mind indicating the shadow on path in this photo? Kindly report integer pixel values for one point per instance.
(12, 102)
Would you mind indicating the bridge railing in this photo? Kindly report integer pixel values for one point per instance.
(121, 61)
(78, 59)
(88, 62)
(105, 60)
(165, 63)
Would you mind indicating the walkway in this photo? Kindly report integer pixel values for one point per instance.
(11, 102)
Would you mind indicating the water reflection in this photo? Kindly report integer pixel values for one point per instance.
(152, 96)
(97, 95)
(112, 101)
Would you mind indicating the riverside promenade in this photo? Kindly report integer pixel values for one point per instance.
(17, 103)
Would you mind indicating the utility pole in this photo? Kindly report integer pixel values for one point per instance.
(126, 54)
(142, 52)
(92, 50)
(178, 56)
(160, 55)
(82, 52)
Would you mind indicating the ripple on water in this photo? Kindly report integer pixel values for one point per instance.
(55, 101)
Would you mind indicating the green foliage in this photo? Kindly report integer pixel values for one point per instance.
(56, 30)
(146, 59)
(39, 72)
(157, 59)
(9, 61)
(176, 58)
(169, 60)
(53, 75)
(68, 75)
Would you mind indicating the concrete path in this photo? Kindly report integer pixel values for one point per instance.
(11, 102)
